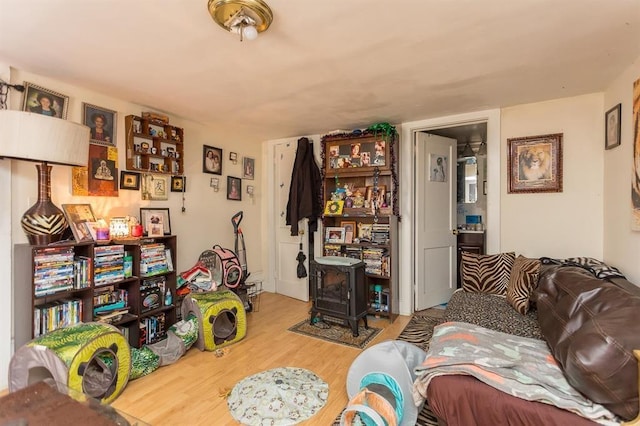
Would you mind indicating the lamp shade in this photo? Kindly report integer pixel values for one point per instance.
(46, 140)
(36, 137)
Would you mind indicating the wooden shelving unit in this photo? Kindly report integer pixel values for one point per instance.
(154, 146)
(29, 297)
(360, 176)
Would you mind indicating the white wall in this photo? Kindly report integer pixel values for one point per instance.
(563, 224)
(621, 245)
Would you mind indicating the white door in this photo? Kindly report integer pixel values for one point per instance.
(435, 213)
(286, 279)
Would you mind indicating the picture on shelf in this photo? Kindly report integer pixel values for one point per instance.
(155, 216)
(365, 231)
(334, 208)
(350, 230)
(334, 235)
(376, 200)
(76, 215)
(356, 154)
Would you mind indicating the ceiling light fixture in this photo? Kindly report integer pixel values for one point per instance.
(468, 151)
(244, 17)
(482, 150)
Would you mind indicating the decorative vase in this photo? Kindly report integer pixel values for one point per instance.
(43, 222)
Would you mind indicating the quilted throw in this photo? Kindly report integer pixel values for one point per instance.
(519, 366)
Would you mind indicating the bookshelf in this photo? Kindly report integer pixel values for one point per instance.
(122, 283)
(360, 221)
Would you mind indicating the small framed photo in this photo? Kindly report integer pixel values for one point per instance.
(334, 208)
(44, 101)
(612, 127)
(349, 230)
(248, 168)
(102, 123)
(365, 231)
(155, 187)
(211, 160)
(334, 235)
(233, 157)
(178, 183)
(77, 215)
(378, 200)
(535, 164)
(129, 180)
(150, 218)
(234, 188)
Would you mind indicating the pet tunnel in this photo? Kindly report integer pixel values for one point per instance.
(221, 318)
(92, 358)
(380, 383)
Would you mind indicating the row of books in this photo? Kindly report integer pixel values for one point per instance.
(111, 296)
(56, 315)
(376, 261)
(108, 264)
(152, 329)
(155, 259)
(380, 233)
(53, 270)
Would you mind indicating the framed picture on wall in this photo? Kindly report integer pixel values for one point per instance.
(44, 101)
(535, 164)
(211, 160)
(101, 122)
(612, 127)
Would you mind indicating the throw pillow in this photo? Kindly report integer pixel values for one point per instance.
(523, 280)
(486, 273)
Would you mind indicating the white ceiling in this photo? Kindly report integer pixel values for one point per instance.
(325, 65)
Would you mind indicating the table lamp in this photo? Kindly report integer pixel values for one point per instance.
(46, 140)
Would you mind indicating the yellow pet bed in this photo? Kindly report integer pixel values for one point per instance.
(221, 318)
(92, 358)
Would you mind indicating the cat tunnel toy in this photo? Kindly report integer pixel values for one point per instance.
(92, 358)
(221, 317)
(380, 383)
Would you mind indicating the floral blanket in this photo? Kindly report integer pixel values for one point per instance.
(519, 366)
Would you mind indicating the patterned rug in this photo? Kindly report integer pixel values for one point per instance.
(418, 331)
(336, 332)
(278, 397)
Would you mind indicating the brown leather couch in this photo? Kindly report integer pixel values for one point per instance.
(591, 326)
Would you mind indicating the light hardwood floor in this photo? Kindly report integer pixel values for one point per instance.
(187, 392)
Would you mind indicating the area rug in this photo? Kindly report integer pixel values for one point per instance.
(281, 396)
(418, 331)
(336, 333)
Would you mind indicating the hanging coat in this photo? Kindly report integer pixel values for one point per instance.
(304, 192)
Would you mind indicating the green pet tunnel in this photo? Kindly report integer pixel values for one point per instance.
(92, 358)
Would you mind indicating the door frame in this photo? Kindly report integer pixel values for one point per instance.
(407, 174)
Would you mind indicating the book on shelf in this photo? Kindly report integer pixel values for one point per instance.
(332, 250)
(52, 316)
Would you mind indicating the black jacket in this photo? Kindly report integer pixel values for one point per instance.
(304, 192)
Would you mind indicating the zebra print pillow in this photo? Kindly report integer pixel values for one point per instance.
(523, 280)
(482, 273)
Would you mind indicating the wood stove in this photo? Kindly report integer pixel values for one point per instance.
(338, 290)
